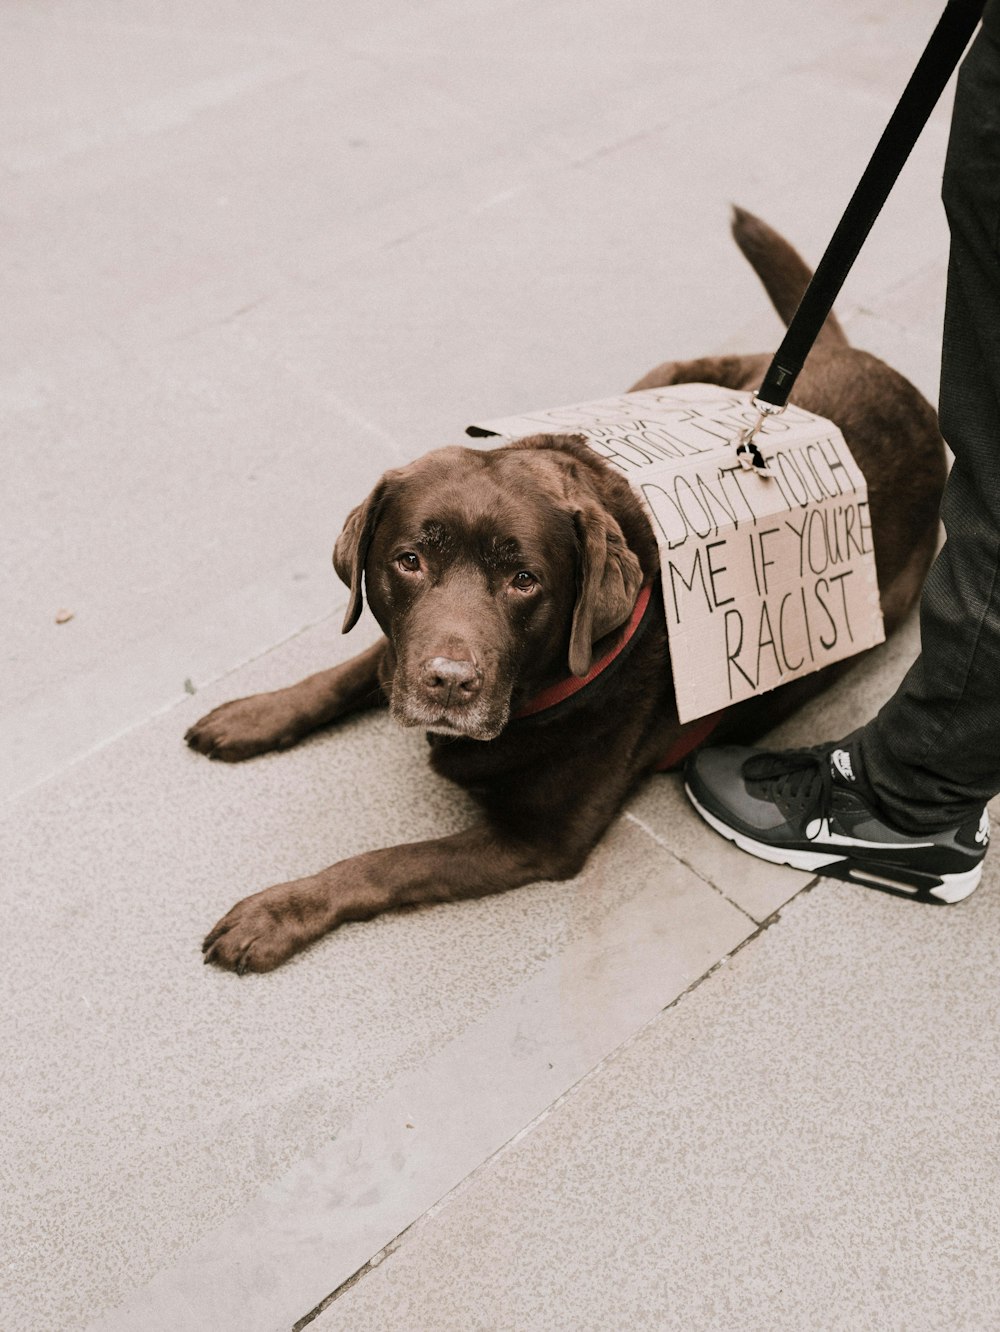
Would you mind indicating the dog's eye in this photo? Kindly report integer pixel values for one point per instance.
(524, 581)
(409, 561)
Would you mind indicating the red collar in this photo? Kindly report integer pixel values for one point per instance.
(564, 689)
(689, 739)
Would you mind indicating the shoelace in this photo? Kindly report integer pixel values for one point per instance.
(797, 777)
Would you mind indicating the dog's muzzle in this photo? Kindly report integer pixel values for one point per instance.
(447, 695)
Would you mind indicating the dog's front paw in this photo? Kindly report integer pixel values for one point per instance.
(245, 727)
(262, 931)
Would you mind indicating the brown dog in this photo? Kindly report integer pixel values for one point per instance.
(493, 573)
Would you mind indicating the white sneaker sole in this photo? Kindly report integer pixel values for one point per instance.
(951, 887)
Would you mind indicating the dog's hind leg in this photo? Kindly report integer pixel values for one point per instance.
(278, 720)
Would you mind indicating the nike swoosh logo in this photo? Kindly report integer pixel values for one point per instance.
(819, 831)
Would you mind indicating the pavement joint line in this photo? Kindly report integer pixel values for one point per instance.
(8, 801)
(221, 320)
(463, 1186)
(916, 274)
(742, 89)
(634, 818)
(347, 411)
(374, 1261)
(895, 326)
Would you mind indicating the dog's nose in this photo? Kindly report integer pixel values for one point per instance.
(451, 681)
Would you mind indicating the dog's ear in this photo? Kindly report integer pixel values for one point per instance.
(351, 549)
(608, 581)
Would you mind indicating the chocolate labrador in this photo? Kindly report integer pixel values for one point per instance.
(517, 590)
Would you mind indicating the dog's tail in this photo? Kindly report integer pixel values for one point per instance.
(784, 273)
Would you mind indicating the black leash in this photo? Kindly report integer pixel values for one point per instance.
(934, 68)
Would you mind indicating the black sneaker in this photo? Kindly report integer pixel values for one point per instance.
(807, 808)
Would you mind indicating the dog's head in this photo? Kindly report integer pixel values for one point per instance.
(488, 572)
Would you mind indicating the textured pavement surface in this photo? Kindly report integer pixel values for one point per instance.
(255, 255)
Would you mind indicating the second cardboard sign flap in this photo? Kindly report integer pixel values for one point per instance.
(765, 578)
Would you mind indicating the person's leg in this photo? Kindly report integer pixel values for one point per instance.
(899, 804)
(932, 755)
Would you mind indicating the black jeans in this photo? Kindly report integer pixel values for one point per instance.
(932, 754)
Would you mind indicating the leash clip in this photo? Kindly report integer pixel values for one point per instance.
(747, 450)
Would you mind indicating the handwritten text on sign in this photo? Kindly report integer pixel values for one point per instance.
(764, 578)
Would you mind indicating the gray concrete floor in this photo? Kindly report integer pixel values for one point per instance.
(256, 254)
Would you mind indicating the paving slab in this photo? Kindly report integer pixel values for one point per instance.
(832, 1164)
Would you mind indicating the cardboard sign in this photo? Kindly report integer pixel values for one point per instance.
(765, 578)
